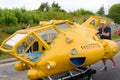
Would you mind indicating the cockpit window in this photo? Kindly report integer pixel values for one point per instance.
(31, 39)
(63, 26)
(32, 52)
(92, 22)
(22, 48)
(48, 35)
(12, 41)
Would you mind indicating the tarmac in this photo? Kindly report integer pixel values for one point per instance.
(8, 60)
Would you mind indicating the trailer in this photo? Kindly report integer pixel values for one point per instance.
(76, 74)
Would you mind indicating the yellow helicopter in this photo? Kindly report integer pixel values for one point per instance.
(58, 46)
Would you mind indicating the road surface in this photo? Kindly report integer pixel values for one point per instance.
(7, 72)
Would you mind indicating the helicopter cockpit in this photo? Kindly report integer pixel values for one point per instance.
(30, 44)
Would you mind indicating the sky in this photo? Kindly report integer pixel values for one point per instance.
(68, 5)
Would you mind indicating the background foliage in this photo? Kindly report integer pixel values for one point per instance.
(114, 13)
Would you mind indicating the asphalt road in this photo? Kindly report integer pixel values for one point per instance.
(110, 74)
(7, 71)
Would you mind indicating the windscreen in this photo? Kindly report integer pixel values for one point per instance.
(12, 41)
(48, 35)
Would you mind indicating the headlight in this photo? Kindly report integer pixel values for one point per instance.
(74, 52)
(48, 66)
(51, 64)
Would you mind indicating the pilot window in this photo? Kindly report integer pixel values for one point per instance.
(63, 26)
(12, 41)
(31, 39)
(22, 48)
(92, 22)
(48, 35)
(30, 49)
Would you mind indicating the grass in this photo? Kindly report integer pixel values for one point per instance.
(3, 36)
(4, 56)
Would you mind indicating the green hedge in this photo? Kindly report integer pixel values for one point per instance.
(11, 30)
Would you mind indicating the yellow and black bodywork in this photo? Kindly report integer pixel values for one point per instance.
(57, 46)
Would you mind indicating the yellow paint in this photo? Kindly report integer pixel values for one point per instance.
(58, 46)
(92, 22)
(21, 66)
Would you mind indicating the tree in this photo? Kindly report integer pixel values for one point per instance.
(101, 11)
(55, 7)
(114, 13)
(44, 7)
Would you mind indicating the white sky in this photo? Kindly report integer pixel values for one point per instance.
(68, 5)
